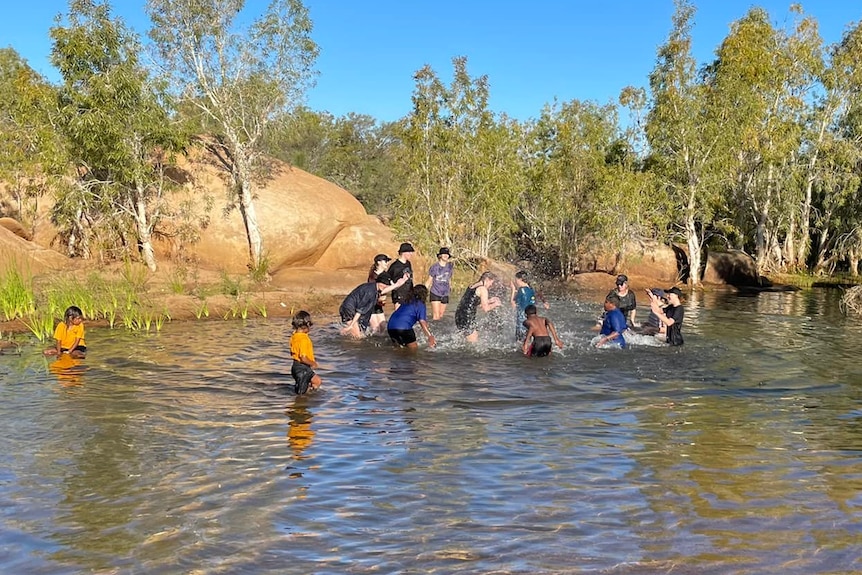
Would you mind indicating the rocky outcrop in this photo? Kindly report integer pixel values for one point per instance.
(733, 267)
(305, 222)
(27, 257)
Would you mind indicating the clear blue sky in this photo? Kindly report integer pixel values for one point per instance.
(532, 52)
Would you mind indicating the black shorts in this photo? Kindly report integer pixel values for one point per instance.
(440, 298)
(302, 375)
(541, 346)
(362, 321)
(402, 337)
(81, 348)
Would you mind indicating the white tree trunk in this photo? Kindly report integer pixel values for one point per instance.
(145, 231)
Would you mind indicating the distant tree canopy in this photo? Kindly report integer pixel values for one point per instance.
(759, 149)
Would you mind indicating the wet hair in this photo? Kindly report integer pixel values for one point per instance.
(530, 310)
(523, 276)
(614, 299)
(302, 319)
(72, 312)
(419, 293)
(488, 276)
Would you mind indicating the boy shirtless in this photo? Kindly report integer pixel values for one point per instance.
(538, 340)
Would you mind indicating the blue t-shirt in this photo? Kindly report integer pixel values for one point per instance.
(441, 277)
(525, 296)
(615, 321)
(407, 314)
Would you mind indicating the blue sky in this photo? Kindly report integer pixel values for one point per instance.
(532, 52)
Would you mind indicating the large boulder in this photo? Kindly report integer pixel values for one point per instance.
(27, 257)
(733, 267)
(305, 222)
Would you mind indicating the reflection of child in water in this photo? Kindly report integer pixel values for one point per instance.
(299, 432)
(302, 352)
(537, 341)
(67, 370)
(70, 335)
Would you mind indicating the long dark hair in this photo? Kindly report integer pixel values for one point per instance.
(418, 293)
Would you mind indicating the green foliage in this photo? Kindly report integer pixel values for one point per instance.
(16, 293)
(235, 78)
(231, 286)
(32, 155)
(462, 167)
(355, 152)
(120, 136)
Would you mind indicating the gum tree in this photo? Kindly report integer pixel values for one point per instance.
(237, 78)
(31, 149)
(463, 168)
(685, 137)
(120, 138)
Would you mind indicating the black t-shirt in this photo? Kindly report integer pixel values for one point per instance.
(396, 271)
(674, 332)
(361, 300)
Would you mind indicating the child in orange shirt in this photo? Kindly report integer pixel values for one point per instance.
(70, 335)
(302, 351)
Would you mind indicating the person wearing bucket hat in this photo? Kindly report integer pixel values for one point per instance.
(400, 267)
(671, 316)
(440, 280)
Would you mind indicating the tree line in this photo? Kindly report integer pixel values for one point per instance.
(757, 150)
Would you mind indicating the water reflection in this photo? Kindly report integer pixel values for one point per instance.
(732, 454)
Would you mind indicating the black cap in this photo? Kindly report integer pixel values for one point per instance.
(443, 252)
(382, 258)
(406, 247)
(384, 278)
(674, 290)
(658, 292)
(621, 279)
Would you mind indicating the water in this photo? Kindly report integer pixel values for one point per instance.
(184, 452)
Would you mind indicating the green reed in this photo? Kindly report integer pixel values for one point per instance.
(41, 324)
(17, 298)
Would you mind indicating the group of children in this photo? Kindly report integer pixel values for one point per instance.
(362, 312)
(618, 321)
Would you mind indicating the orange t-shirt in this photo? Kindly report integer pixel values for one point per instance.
(67, 335)
(300, 345)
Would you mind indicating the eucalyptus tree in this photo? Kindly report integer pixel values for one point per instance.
(686, 138)
(761, 81)
(570, 202)
(462, 166)
(32, 155)
(239, 78)
(833, 147)
(120, 137)
(837, 196)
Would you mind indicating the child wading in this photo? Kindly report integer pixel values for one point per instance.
(537, 342)
(70, 335)
(302, 352)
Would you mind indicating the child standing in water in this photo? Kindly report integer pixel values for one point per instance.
(302, 352)
(523, 295)
(439, 280)
(70, 335)
(537, 342)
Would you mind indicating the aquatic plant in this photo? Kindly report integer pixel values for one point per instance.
(16, 294)
(40, 324)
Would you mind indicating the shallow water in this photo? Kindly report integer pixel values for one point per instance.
(186, 451)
